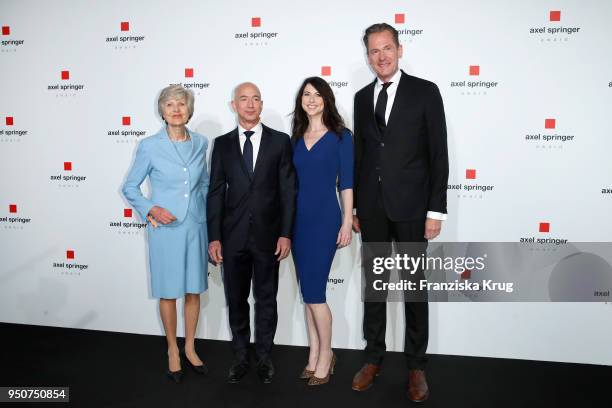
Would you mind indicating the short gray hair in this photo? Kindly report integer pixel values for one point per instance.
(175, 92)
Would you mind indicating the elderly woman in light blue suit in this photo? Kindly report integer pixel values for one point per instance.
(175, 162)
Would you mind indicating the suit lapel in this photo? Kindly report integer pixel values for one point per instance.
(238, 152)
(369, 109)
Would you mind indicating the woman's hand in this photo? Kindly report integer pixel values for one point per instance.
(345, 234)
(162, 215)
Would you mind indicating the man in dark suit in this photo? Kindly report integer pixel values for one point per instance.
(250, 210)
(401, 173)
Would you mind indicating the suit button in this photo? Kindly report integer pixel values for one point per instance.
(377, 167)
(184, 168)
(382, 144)
(186, 195)
(185, 181)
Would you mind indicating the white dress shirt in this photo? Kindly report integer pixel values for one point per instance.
(391, 91)
(255, 140)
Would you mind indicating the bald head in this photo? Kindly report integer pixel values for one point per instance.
(247, 104)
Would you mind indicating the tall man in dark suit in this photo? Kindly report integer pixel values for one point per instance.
(401, 173)
(250, 209)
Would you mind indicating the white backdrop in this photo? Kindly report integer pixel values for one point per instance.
(548, 60)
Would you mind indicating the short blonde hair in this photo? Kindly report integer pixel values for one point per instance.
(175, 92)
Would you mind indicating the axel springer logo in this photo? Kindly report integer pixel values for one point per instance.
(191, 74)
(70, 265)
(126, 133)
(127, 224)
(10, 132)
(13, 219)
(67, 179)
(547, 137)
(123, 38)
(7, 43)
(256, 35)
(472, 84)
(407, 32)
(470, 188)
(554, 29)
(327, 74)
(66, 87)
(544, 229)
(606, 190)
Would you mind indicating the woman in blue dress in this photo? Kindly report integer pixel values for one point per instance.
(175, 162)
(323, 158)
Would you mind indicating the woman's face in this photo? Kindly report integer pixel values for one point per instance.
(175, 111)
(312, 101)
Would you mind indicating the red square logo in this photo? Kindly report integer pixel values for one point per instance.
(325, 71)
(470, 174)
(70, 254)
(400, 18)
(65, 75)
(127, 212)
(256, 22)
(188, 72)
(125, 26)
(9, 121)
(467, 274)
(126, 121)
(13, 208)
(474, 70)
(67, 166)
(6, 30)
(544, 227)
(555, 15)
(550, 123)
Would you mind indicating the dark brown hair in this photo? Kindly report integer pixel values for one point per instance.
(379, 28)
(331, 118)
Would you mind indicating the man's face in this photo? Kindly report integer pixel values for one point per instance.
(247, 104)
(383, 54)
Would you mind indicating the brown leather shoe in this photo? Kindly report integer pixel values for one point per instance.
(365, 377)
(418, 391)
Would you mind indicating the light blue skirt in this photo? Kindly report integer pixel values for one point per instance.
(178, 258)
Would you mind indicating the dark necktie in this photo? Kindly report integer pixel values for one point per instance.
(381, 108)
(247, 151)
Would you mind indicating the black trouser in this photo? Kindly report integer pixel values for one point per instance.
(380, 229)
(239, 267)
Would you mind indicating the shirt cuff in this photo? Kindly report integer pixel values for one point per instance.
(436, 215)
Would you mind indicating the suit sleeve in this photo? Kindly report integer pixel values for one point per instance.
(358, 151)
(438, 151)
(131, 188)
(216, 194)
(288, 189)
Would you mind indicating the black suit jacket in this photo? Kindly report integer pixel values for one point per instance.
(263, 205)
(410, 159)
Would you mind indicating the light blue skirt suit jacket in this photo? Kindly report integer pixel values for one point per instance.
(178, 252)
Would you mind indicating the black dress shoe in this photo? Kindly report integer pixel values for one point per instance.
(265, 370)
(200, 369)
(176, 376)
(237, 371)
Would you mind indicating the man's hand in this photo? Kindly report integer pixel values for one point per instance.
(432, 228)
(356, 225)
(162, 215)
(283, 246)
(214, 251)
